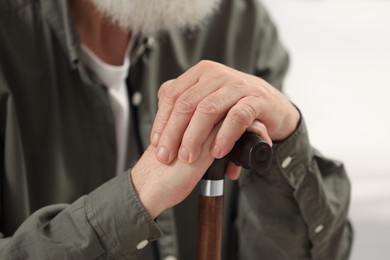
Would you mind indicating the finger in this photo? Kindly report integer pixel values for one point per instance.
(208, 112)
(233, 171)
(179, 118)
(170, 91)
(164, 87)
(260, 129)
(163, 113)
(239, 118)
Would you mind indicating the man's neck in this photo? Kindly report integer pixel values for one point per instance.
(108, 41)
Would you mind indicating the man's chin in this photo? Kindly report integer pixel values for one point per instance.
(152, 17)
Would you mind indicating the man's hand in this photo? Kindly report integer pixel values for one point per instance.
(201, 115)
(160, 186)
(208, 93)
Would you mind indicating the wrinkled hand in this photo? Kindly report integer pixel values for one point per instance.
(160, 186)
(201, 115)
(208, 93)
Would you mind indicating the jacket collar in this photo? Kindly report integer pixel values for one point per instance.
(57, 15)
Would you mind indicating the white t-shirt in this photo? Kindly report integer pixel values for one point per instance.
(114, 78)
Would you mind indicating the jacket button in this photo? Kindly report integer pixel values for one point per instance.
(142, 244)
(318, 229)
(170, 257)
(136, 99)
(286, 162)
(150, 42)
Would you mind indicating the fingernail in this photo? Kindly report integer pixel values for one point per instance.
(184, 155)
(155, 138)
(216, 151)
(162, 154)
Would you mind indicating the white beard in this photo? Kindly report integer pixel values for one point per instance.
(149, 17)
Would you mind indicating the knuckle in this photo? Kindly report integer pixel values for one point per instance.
(240, 81)
(206, 63)
(208, 108)
(167, 100)
(171, 136)
(184, 106)
(242, 115)
(160, 122)
(166, 90)
(211, 70)
(169, 97)
(171, 93)
(163, 87)
(208, 66)
(263, 92)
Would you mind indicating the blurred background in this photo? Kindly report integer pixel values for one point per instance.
(340, 79)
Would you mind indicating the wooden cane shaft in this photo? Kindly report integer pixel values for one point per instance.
(210, 228)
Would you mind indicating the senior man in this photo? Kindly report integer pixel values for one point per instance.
(81, 103)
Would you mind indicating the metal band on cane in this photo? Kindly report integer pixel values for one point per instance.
(211, 188)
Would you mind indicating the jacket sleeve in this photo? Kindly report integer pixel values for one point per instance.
(108, 223)
(297, 209)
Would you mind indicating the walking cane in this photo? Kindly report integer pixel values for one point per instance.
(250, 152)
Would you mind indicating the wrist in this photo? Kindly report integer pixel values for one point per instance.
(290, 125)
(147, 192)
(294, 119)
(151, 204)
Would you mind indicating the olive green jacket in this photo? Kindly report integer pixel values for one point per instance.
(59, 195)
